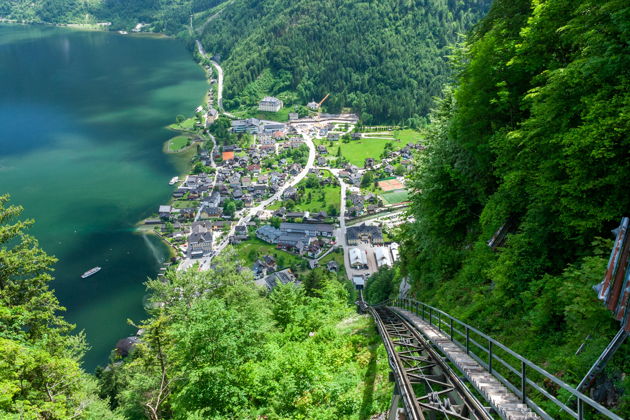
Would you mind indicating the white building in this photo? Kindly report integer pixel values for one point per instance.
(382, 256)
(313, 105)
(270, 104)
(395, 252)
(358, 258)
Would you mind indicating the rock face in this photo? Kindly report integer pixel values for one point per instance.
(125, 346)
(605, 392)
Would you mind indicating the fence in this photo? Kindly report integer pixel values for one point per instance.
(526, 380)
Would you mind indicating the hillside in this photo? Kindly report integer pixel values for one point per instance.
(386, 60)
(533, 139)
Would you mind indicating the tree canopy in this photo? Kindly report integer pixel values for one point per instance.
(532, 140)
(40, 361)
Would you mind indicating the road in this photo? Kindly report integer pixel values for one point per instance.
(216, 65)
(248, 213)
(212, 165)
(341, 232)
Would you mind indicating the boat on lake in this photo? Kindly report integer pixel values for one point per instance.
(173, 180)
(90, 272)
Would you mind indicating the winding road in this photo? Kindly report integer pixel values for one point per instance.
(250, 212)
(219, 70)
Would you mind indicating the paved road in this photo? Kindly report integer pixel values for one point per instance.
(216, 172)
(219, 72)
(341, 232)
(248, 213)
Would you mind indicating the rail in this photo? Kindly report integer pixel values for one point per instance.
(520, 375)
(429, 388)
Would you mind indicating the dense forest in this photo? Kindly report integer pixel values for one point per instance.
(531, 139)
(386, 60)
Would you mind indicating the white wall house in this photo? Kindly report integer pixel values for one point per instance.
(270, 104)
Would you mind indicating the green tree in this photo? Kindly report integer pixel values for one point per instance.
(367, 179)
(40, 362)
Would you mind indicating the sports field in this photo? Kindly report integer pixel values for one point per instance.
(390, 185)
(395, 197)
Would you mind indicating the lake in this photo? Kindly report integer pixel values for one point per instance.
(82, 117)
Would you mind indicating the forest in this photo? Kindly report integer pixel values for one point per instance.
(386, 60)
(531, 139)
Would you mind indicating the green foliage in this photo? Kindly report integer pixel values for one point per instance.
(533, 138)
(380, 286)
(367, 179)
(40, 362)
(216, 347)
(303, 50)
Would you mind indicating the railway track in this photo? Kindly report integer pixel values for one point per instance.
(426, 384)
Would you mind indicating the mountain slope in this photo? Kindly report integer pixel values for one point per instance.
(532, 141)
(384, 59)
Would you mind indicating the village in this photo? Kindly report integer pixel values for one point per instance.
(290, 196)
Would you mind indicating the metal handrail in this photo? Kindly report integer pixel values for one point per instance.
(436, 318)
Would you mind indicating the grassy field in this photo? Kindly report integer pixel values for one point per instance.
(178, 143)
(185, 204)
(254, 248)
(331, 196)
(358, 150)
(186, 125)
(395, 197)
(407, 136)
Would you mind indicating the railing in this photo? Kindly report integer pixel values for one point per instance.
(526, 380)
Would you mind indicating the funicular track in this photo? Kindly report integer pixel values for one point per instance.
(444, 368)
(427, 385)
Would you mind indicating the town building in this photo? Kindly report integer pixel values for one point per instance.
(268, 234)
(270, 104)
(165, 212)
(364, 233)
(281, 277)
(308, 229)
(358, 258)
(381, 254)
(358, 281)
(250, 125)
(293, 241)
(200, 240)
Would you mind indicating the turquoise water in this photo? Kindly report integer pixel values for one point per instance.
(81, 134)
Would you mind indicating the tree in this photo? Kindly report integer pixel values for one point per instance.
(275, 221)
(229, 208)
(40, 362)
(367, 179)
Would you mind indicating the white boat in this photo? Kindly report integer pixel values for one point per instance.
(90, 272)
(173, 180)
(123, 32)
